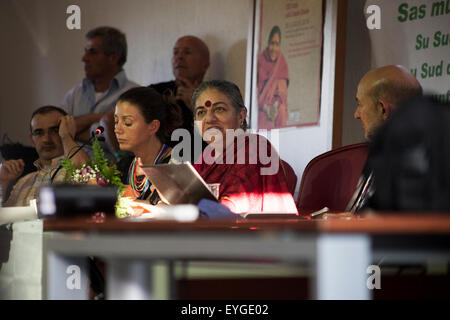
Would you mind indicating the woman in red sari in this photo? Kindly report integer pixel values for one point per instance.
(246, 165)
(273, 80)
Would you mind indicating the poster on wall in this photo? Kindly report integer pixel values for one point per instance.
(289, 46)
(415, 34)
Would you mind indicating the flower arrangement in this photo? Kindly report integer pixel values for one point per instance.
(98, 171)
(89, 175)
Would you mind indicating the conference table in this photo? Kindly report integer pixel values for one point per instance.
(340, 253)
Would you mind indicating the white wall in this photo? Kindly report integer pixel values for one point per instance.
(357, 63)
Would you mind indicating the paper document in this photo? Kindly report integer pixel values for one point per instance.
(14, 214)
(181, 213)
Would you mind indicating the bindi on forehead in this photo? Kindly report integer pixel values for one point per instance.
(208, 103)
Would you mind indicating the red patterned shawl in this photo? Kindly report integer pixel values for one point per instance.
(242, 186)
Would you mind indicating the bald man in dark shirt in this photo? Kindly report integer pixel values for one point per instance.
(190, 61)
(379, 93)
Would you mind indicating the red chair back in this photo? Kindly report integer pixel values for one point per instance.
(291, 177)
(330, 179)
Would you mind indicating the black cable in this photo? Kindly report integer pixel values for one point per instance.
(60, 166)
(98, 131)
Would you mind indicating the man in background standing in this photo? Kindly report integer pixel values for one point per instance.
(92, 101)
(190, 61)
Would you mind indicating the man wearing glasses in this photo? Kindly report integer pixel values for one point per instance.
(52, 134)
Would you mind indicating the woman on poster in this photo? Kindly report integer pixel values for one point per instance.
(273, 81)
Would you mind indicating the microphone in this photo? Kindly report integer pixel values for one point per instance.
(96, 133)
(99, 130)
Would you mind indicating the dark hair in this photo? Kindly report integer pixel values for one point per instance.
(153, 106)
(45, 110)
(275, 30)
(113, 42)
(228, 88)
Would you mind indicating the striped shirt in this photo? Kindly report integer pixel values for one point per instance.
(27, 187)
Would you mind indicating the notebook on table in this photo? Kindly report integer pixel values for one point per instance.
(182, 184)
(178, 183)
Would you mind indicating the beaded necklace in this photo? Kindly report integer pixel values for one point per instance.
(141, 184)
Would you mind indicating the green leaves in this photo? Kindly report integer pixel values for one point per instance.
(107, 168)
(68, 166)
(104, 167)
(99, 155)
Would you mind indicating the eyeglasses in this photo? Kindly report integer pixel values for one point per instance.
(53, 131)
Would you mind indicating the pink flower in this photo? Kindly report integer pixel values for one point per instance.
(102, 182)
(85, 171)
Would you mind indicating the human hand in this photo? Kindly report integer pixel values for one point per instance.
(135, 207)
(271, 111)
(185, 90)
(141, 206)
(67, 127)
(11, 170)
